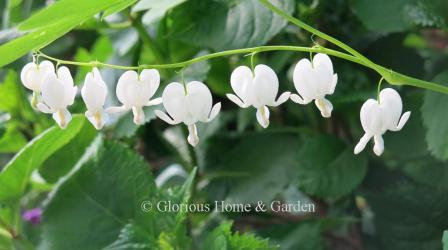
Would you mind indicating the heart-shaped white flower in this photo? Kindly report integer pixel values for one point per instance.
(378, 117)
(32, 77)
(94, 93)
(135, 91)
(33, 74)
(313, 81)
(258, 89)
(58, 92)
(189, 104)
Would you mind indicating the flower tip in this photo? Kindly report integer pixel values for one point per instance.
(139, 115)
(265, 125)
(263, 116)
(193, 137)
(378, 151)
(324, 106)
(325, 114)
(193, 141)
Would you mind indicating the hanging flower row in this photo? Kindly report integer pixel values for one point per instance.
(54, 90)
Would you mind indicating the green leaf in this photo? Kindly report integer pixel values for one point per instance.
(16, 48)
(155, 9)
(118, 7)
(108, 190)
(13, 140)
(15, 175)
(52, 169)
(400, 15)
(327, 168)
(304, 236)
(435, 120)
(406, 217)
(215, 25)
(129, 238)
(259, 156)
(68, 11)
(50, 24)
(6, 242)
(222, 238)
(10, 94)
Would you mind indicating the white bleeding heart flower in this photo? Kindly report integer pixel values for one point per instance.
(58, 92)
(379, 116)
(313, 81)
(258, 89)
(189, 104)
(33, 75)
(94, 93)
(135, 91)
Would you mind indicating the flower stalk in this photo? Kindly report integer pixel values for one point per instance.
(393, 78)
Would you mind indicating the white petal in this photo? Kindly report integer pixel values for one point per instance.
(69, 96)
(127, 88)
(215, 110)
(392, 105)
(403, 120)
(235, 99)
(265, 85)
(139, 115)
(371, 117)
(379, 145)
(323, 60)
(283, 98)
(241, 82)
(324, 106)
(154, 102)
(333, 84)
(53, 93)
(98, 119)
(119, 109)
(362, 143)
(152, 77)
(163, 116)
(66, 79)
(199, 101)
(27, 78)
(44, 108)
(193, 138)
(175, 102)
(96, 74)
(65, 76)
(324, 68)
(263, 116)
(94, 91)
(305, 80)
(62, 117)
(33, 75)
(297, 99)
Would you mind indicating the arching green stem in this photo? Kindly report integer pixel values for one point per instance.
(389, 75)
(314, 31)
(210, 56)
